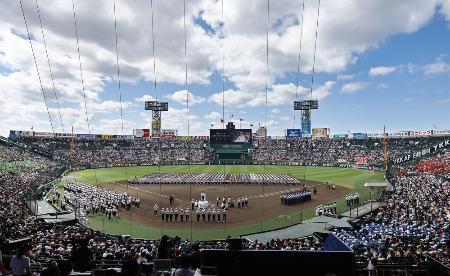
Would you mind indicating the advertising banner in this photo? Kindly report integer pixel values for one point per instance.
(141, 133)
(43, 134)
(290, 133)
(184, 137)
(340, 136)
(87, 136)
(441, 132)
(65, 135)
(168, 132)
(201, 138)
(306, 127)
(422, 152)
(359, 135)
(106, 136)
(320, 132)
(375, 135)
(14, 133)
(27, 133)
(361, 160)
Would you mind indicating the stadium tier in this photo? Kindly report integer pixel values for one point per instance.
(410, 230)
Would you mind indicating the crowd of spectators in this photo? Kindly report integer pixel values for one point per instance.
(415, 220)
(333, 151)
(438, 165)
(117, 152)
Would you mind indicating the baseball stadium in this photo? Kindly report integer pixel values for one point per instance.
(211, 138)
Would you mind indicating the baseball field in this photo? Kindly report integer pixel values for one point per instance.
(264, 212)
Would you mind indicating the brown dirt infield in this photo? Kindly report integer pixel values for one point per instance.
(271, 206)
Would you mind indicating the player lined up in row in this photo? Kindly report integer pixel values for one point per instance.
(222, 202)
(184, 214)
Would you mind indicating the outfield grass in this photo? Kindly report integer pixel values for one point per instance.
(350, 178)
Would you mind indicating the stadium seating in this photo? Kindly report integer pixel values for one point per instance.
(411, 229)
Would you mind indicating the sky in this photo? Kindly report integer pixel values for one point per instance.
(378, 63)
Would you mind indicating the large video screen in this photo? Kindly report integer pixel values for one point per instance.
(230, 136)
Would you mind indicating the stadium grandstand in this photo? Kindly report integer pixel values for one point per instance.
(209, 195)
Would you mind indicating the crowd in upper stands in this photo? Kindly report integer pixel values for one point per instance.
(110, 152)
(332, 151)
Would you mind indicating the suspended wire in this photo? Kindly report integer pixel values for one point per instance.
(299, 57)
(267, 88)
(153, 52)
(315, 49)
(223, 100)
(223, 69)
(49, 65)
(120, 99)
(81, 67)
(267, 61)
(186, 65)
(187, 98)
(118, 67)
(37, 68)
(156, 98)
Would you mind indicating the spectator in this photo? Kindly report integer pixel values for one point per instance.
(20, 264)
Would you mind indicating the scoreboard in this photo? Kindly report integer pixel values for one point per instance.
(230, 136)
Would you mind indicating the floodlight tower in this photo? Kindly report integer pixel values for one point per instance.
(305, 108)
(156, 107)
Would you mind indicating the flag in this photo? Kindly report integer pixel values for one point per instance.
(221, 120)
(212, 125)
(232, 115)
(349, 132)
(241, 119)
(251, 124)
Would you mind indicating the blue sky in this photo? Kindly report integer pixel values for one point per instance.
(378, 63)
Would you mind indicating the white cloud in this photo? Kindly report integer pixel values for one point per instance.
(280, 94)
(443, 101)
(343, 37)
(445, 8)
(381, 70)
(181, 97)
(352, 87)
(436, 68)
(213, 116)
(275, 111)
(345, 77)
(408, 100)
(144, 98)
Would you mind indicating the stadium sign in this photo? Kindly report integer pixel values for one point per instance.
(359, 135)
(320, 132)
(140, 133)
(340, 136)
(423, 152)
(168, 132)
(361, 160)
(290, 133)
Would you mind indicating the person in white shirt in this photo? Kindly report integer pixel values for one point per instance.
(155, 209)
